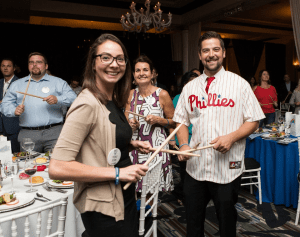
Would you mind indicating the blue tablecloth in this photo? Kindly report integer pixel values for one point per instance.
(279, 168)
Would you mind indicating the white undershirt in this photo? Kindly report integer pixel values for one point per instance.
(6, 85)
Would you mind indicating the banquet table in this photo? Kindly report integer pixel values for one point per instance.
(279, 169)
(73, 226)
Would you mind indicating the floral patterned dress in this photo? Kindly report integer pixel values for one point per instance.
(155, 134)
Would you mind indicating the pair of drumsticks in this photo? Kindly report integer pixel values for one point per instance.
(160, 149)
(25, 93)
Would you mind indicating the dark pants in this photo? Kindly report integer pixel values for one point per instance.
(13, 138)
(270, 118)
(198, 195)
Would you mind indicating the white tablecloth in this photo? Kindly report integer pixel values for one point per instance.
(73, 227)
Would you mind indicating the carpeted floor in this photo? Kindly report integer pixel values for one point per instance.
(253, 219)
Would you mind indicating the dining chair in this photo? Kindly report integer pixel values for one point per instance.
(150, 186)
(285, 107)
(40, 229)
(252, 174)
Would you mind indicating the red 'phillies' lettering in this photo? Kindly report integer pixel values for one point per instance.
(212, 101)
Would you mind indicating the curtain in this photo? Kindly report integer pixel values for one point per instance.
(295, 10)
(248, 54)
(176, 42)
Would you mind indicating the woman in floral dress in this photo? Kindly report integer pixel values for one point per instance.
(155, 104)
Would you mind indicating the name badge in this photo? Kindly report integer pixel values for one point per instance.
(235, 164)
(45, 90)
(114, 156)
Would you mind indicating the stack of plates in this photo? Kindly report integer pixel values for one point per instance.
(25, 199)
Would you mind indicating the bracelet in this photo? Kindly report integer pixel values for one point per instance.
(183, 145)
(172, 140)
(167, 124)
(117, 175)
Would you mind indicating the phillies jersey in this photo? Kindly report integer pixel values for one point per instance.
(229, 103)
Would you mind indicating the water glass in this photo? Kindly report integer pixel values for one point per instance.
(9, 173)
(27, 144)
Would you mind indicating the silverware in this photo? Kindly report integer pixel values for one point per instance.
(42, 196)
(42, 200)
(50, 189)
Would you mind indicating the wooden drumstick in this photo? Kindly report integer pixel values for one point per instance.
(26, 90)
(30, 95)
(200, 148)
(158, 150)
(175, 152)
(130, 112)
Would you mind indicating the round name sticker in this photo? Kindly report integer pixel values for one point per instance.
(45, 90)
(114, 156)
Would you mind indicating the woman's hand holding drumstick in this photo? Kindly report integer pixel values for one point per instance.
(159, 149)
(274, 102)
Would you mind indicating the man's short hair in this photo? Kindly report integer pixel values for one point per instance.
(210, 35)
(9, 59)
(39, 54)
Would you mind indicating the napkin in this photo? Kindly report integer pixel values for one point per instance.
(254, 135)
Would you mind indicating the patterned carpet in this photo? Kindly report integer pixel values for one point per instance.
(253, 219)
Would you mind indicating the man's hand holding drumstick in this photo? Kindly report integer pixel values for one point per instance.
(51, 99)
(19, 110)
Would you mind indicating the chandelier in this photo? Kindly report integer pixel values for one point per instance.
(141, 20)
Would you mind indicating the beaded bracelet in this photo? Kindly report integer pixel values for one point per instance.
(183, 145)
(167, 124)
(172, 140)
(117, 176)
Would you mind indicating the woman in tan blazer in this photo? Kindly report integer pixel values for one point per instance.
(86, 149)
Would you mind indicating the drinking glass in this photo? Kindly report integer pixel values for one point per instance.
(280, 119)
(27, 144)
(8, 172)
(30, 169)
(14, 170)
(287, 129)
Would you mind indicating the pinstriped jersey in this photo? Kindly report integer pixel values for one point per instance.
(229, 103)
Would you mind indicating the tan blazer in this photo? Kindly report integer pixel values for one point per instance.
(87, 137)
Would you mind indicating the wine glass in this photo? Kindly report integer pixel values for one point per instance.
(30, 169)
(8, 172)
(28, 145)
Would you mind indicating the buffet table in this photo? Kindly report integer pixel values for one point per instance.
(279, 169)
(73, 226)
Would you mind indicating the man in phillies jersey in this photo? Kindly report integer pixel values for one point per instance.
(223, 110)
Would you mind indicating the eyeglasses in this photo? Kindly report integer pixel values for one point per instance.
(108, 59)
(36, 62)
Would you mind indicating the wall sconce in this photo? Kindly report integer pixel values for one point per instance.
(296, 64)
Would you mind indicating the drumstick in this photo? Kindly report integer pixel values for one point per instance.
(200, 148)
(30, 95)
(158, 150)
(286, 97)
(176, 147)
(26, 90)
(175, 152)
(135, 114)
(272, 99)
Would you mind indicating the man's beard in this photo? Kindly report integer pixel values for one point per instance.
(214, 68)
(36, 72)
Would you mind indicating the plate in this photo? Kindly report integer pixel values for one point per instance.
(33, 155)
(25, 199)
(28, 184)
(272, 126)
(267, 137)
(47, 162)
(56, 185)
